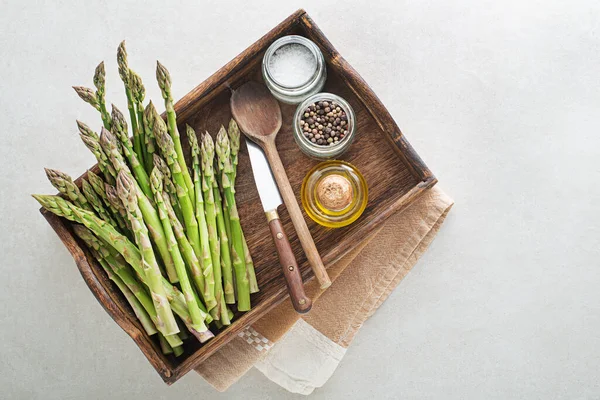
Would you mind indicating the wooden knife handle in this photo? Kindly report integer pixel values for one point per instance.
(300, 301)
(306, 240)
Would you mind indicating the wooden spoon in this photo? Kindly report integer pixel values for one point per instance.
(258, 115)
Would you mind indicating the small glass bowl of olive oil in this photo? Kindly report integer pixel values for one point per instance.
(334, 194)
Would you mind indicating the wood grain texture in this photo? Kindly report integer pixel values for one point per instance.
(393, 171)
(289, 266)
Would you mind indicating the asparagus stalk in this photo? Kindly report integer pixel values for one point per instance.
(123, 271)
(234, 139)
(148, 118)
(164, 346)
(99, 187)
(207, 150)
(253, 283)
(96, 202)
(102, 255)
(64, 184)
(115, 204)
(182, 332)
(120, 130)
(100, 83)
(186, 287)
(110, 145)
(129, 251)
(202, 278)
(138, 310)
(205, 256)
(139, 92)
(126, 77)
(165, 143)
(90, 139)
(126, 189)
(177, 351)
(168, 185)
(223, 151)
(164, 82)
(224, 244)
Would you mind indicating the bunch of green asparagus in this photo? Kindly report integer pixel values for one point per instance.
(169, 237)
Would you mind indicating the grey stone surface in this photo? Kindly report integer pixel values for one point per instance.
(501, 99)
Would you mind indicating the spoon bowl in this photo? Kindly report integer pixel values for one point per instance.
(256, 112)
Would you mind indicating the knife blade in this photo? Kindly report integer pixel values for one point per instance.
(270, 199)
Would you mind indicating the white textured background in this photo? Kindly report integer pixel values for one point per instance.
(500, 98)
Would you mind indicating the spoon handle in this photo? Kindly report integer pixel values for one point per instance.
(306, 240)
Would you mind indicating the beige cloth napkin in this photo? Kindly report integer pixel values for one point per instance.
(300, 353)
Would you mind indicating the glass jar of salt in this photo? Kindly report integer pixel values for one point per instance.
(293, 69)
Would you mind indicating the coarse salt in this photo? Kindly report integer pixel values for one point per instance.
(292, 65)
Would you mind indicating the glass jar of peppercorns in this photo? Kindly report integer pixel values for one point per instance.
(324, 125)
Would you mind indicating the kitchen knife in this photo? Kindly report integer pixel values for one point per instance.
(271, 199)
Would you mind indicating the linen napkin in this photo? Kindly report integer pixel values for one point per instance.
(300, 353)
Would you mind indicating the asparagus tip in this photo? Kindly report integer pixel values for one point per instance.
(122, 63)
(163, 77)
(100, 77)
(87, 95)
(156, 178)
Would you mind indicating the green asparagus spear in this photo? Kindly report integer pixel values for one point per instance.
(164, 346)
(233, 131)
(223, 150)
(90, 139)
(148, 117)
(123, 271)
(205, 256)
(177, 351)
(202, 277)
(168, 184)
(195, 313)
(63, 208)
(234, 139)
(89, 96)
(126, 189)
(111, 147)
(115, 204)
(99, 187)
(102, 255)
(165, 143)
(139, 92)
(126, 77)
(100, 83)
(207, 151)
(138, 310)
(222, 217)
(96, 202)
(164, 82)
(64, 184)
(120, 130)
(86, 94)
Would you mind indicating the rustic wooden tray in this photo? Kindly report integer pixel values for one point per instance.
(394, 173)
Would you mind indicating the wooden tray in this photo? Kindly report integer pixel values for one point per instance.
(394, 173)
